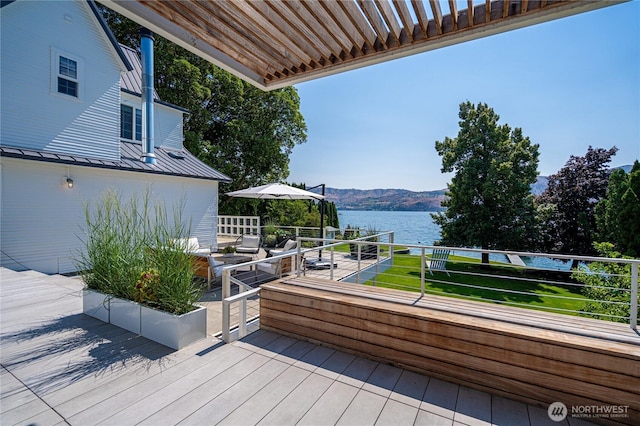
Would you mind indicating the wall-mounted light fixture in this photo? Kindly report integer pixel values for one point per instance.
(70, 182)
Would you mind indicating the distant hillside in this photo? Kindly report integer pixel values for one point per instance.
(405, 200)
(385, 199)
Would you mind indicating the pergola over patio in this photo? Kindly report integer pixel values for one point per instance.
(272, 44)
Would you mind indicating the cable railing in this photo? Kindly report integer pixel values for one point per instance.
(599, 288)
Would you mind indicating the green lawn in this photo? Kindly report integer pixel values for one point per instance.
(405, 274)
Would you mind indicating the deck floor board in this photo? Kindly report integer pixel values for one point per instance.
(62, 367)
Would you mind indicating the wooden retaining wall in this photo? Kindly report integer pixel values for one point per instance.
(468, 344)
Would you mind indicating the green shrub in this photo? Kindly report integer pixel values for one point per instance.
(125, 241)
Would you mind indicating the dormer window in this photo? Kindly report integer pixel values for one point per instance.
(130, 123)
(66, 74)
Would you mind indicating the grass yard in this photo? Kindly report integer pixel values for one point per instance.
(498, 284)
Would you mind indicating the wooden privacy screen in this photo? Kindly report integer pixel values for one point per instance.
(491, 348)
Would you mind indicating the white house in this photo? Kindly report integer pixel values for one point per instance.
(71, 127)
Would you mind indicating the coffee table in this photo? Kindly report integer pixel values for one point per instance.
(235, 259)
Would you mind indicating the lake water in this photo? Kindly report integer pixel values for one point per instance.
(409, 227)
(418, 228)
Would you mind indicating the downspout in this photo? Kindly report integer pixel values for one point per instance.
(146, 49)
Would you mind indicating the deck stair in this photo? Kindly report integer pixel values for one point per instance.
(533, 356)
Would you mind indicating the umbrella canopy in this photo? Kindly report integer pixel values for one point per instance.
(276, 191)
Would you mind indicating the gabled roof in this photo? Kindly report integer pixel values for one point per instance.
(272, 44)
(170, 163)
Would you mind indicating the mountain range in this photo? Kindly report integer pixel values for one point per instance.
(403, 199)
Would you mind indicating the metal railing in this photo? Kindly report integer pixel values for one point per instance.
(602, 288)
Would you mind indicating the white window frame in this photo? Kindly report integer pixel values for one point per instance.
(56, 54)
(136, 120)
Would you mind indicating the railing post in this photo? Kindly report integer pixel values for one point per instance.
(359, 259)
(331, 266)
(226, 283)
(242, 319)
(423, 261)
(634, 296)
(377, 264)
(391, 248)
(226, 321)
(299, 256)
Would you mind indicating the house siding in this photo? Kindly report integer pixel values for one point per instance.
(167, 125)
(33, 115)
(43, 220)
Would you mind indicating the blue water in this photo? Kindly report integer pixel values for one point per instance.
(409, 227)
(418, 228)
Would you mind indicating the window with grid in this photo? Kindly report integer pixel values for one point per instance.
(67, 76)
(130, 124)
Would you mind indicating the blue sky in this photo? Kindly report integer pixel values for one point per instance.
(567, 84)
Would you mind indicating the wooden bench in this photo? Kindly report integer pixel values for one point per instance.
(532, 356)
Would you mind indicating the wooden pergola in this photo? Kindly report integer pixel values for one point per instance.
(276, 43)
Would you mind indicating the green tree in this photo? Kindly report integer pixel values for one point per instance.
(571, 198)
(607, 286)
(618, 214)
(489, 203)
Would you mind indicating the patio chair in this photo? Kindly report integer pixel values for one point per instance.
(249, 244)
(214, 272)
(437, 261)
(288, 245)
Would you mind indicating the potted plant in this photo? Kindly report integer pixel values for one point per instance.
(142, 280)
(228, 250)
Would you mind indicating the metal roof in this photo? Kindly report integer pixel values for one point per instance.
(170, 162)
(131, 81)
(274, 43)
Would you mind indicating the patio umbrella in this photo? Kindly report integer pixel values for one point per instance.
(280, 191)
(276, 191)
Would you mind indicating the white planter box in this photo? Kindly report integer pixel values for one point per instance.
(174, 331)
(96, 304)
(125, 314)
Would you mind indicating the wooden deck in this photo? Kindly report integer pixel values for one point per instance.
(535, 357)
(62, 367)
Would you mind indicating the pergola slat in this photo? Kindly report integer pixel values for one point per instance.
(359, 22)
(421, 15)
(331, 27)
(322, 36)
(437, 14)
(300, 33)
(454, 14)
(238, 48)
(347, 26)
(405, 17)
(370, 11)
(274, 43)
(392, 23)
(266, 30)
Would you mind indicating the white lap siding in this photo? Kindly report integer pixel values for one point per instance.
(42, 219)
